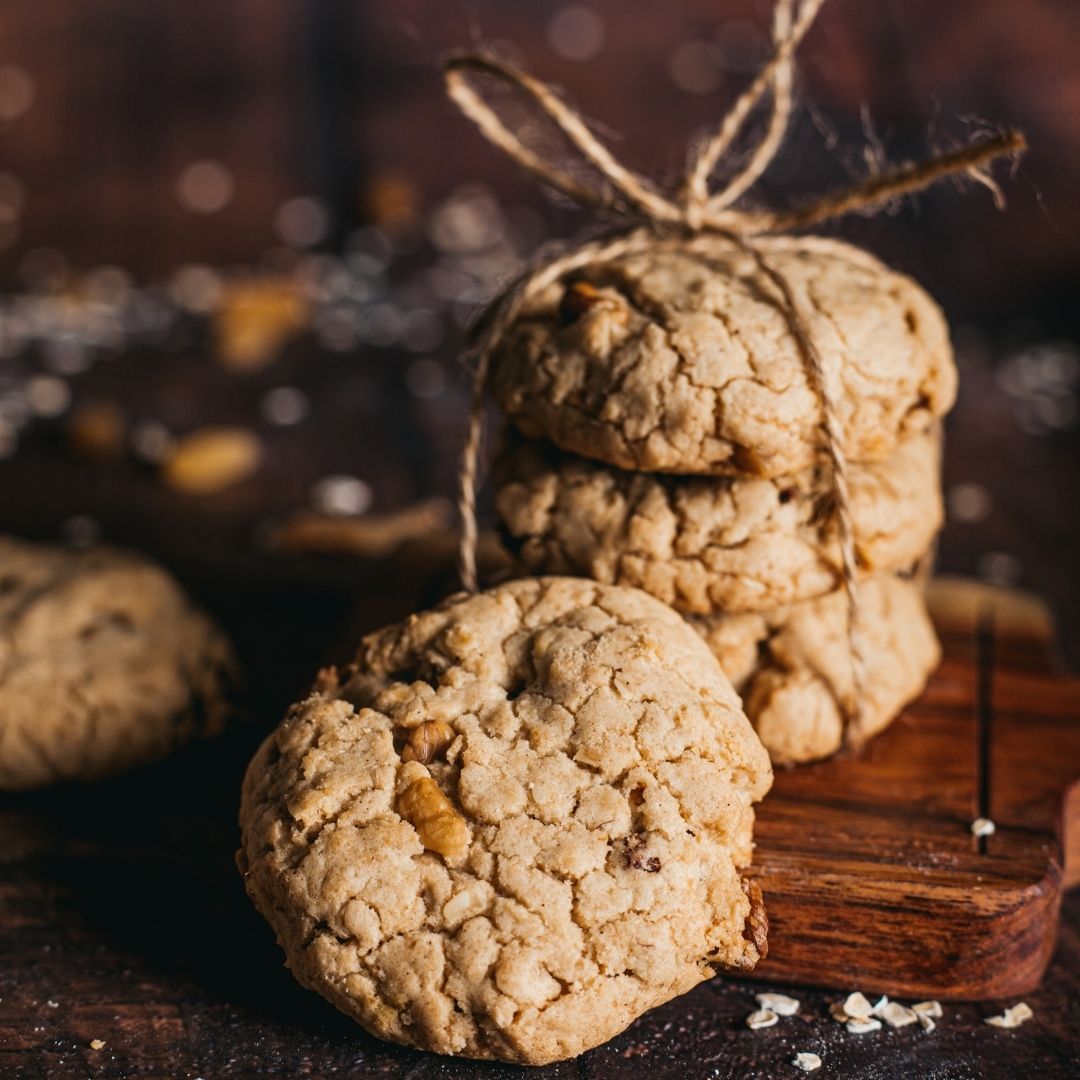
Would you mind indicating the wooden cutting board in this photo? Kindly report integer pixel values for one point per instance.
(870, 872)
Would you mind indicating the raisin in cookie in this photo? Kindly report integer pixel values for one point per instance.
(705, 544)
(680, 359)
(793, 665)
(513, 824)
(104, 664)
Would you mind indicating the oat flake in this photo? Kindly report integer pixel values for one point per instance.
(761, 1018)
(780, 1004)
(859, 1026)
(857, 1006)
(1011, 1018)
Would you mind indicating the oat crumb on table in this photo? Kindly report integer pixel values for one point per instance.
(858, 1026)
(857, 1007)
(780, 1004)
(896, 1015)
(761, 1018)
(1013, 1017)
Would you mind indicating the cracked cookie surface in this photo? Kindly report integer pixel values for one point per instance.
(513, 824)
(681, 360)
(706, 544)
(104, 665)
(792, 666)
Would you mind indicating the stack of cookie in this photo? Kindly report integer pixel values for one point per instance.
(669, 437)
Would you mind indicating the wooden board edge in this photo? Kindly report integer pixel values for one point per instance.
(976, 951)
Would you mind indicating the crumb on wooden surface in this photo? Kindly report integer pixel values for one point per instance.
(1011, 1018)
(761, 1018)
(780, 1004)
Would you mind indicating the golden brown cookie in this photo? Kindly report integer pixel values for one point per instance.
(104, 665)
(681, 359)
(705, 544)
(793, 665)
(513, 825)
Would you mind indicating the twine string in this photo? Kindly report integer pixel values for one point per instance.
(840, 502)
(777, 69)
(905, 179)
(528, 284)
(647, 216)
(769, 144)
(638, 198)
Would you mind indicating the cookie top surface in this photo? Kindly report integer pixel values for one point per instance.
(104, 664)
(793, 665)
(705, 544)
(681, 359)
(513, 824)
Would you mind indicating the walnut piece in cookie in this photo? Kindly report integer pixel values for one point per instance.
(718, 543)
(566, 856)
(793, 665)
(681, 359)
(104, 665)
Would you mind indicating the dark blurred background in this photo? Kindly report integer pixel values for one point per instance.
(265, 216)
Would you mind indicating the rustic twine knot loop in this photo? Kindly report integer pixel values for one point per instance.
(645, 215)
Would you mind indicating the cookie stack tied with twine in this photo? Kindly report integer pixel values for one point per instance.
(752, 555)
(741, 419)
(519, 820)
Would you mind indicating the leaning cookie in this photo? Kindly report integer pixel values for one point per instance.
(513, 825)
(705, 544)
(681, 359)
(793, 666)
(104, 665)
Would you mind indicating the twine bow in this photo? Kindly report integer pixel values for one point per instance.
(645, 216)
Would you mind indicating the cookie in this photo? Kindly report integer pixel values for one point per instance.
(681, 360)
(793, 665)
(513, 825)
(104, 665)
(705, 544)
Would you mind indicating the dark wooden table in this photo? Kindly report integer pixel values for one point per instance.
(122, 918)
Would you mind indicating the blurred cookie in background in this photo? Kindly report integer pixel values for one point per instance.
(104, 665)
